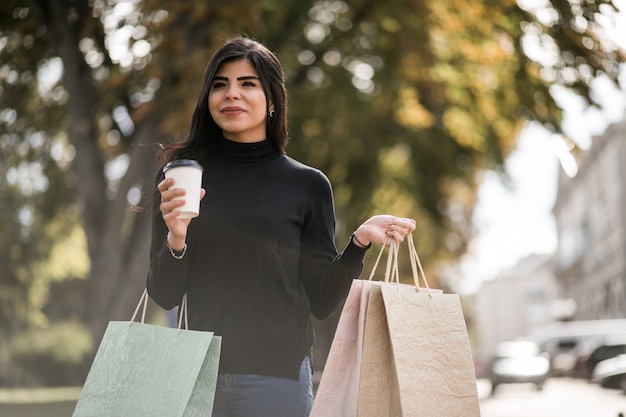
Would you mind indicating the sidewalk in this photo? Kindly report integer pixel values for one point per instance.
(37, 402)
(60, 402)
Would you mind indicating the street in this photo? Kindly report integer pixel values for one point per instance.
(561, 397)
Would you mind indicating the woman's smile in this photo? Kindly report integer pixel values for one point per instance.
(233, 110)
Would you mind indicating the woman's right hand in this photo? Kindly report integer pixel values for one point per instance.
(170, 210)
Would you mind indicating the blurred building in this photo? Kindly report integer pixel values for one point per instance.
(590, 212)
(515, 304)
(585, 279)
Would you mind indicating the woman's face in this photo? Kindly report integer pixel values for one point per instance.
(237, 102)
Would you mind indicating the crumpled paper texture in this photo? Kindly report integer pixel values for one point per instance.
(145, 370)
(398, 353)
(337, 394)
(378, 392)
(432, 359)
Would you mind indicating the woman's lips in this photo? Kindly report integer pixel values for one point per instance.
(232, 111)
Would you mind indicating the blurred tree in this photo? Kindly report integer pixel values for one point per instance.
(401, 102)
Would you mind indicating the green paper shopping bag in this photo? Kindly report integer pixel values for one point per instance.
(143, 370)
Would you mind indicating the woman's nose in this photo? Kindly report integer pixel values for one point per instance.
(232, 91)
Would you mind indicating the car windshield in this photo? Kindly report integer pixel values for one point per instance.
(517, 350)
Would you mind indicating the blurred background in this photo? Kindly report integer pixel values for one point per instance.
(498, 126)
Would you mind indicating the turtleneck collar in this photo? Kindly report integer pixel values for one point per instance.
(256, 152)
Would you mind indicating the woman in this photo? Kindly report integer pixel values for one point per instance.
(261, 257)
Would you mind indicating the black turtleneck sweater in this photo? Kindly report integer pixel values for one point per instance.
(261, 258)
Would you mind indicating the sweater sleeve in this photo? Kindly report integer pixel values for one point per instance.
(166, 281)
(326, 275)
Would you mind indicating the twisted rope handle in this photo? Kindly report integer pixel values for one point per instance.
(183, 312)
(415, 262)
(144, 300)
(391, 270)
(382, 249)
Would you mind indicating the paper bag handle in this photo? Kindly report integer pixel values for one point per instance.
(144, 300)
(382, 249)
(415, 262)
(391, 270)
(183, 309)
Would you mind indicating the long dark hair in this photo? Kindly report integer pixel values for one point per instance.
(204, 132)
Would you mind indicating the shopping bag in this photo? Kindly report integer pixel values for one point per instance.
(416, 358)
(143, 370)
(403, 352)
(337, 393)
(377, 373)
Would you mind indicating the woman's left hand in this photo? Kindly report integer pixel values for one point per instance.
(378, 228)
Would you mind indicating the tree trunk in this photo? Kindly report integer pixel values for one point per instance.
(119, 281)
(117, 237)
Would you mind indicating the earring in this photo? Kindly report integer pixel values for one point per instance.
(272, 113)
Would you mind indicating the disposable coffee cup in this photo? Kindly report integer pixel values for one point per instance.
(187, 174)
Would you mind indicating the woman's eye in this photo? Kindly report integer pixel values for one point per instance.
(249, 84)
(218, 84)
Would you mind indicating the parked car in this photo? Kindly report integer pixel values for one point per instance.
(519, 361)
(562, 351)
(597, 349)
(611, 373)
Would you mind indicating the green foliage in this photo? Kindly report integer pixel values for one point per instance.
(400, 102)
(56, 355)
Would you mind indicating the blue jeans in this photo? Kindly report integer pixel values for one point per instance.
(264, 396)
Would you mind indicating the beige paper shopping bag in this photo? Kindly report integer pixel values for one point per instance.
(337, 394)
(432, 359)
(377, 394)
(416, 358)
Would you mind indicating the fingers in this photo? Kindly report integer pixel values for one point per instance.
(170, 211)
(404, 224)
(401, 225)
(170, 208)
(165, 185)
(380, 228)
(399, 228)
(170, 198)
